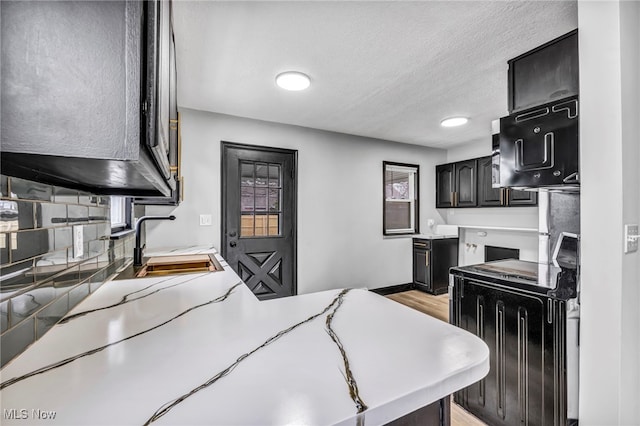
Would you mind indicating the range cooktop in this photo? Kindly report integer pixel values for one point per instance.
(511, 269)
(531, 276)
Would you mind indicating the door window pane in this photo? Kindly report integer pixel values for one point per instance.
(262, 174)
(261, 199)
(274, 224)
(260, 193)
(246, 225)
(274, 200)
(274, 175)
(246, 174)
(260, 226)
(246, 199)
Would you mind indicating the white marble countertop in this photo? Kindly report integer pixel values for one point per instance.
(201, 349)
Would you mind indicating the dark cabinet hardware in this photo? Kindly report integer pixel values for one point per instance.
(431, 262)
(82, 110)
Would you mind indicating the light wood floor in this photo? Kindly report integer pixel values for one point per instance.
(436, 306)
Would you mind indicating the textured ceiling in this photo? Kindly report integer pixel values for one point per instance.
(389, 70)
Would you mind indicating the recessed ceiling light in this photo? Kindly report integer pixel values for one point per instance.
(454, 121)
(293, 80)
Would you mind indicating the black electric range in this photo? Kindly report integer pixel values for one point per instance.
(527, 276)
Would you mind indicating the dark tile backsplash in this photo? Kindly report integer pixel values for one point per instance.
(16, 277)
(29, 244)
(4, 186)
(4, 316)
(4, 248)
(42, 277)
(47, 317)
(26, 304)
(17, 339)
(78, 293)
(25, 212)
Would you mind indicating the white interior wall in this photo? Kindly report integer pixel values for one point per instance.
(471, 149)
(609, 44)
(340, 241)
(630, 321)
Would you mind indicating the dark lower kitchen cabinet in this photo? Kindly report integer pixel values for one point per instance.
(525, 332)
(456, 184)
(432, 259)
(86, 95)
(488, 196)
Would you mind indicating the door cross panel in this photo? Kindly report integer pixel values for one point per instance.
(262, 272)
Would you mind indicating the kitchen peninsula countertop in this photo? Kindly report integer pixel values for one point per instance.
(202, 349)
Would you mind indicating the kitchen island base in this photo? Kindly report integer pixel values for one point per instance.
(434, 414)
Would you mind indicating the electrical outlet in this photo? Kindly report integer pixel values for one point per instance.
(78, 241)
(205, 220)
(630, 238)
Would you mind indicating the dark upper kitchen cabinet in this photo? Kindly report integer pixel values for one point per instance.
(544, 74)
(456, 184)
(527, 380)
(488, 196)
(432, 259)
(466, 173)
(86, 95)
(445, 185)
(177, 193)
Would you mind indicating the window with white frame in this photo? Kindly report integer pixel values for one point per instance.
(400, 210)
(118, 213)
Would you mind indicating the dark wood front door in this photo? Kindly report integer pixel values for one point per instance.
(259, 217)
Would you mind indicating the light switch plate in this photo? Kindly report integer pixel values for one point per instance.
(205, 220)
(630, 238)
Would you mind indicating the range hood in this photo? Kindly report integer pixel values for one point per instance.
(537, 149)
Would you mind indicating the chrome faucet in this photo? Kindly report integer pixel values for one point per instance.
(137, 250)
